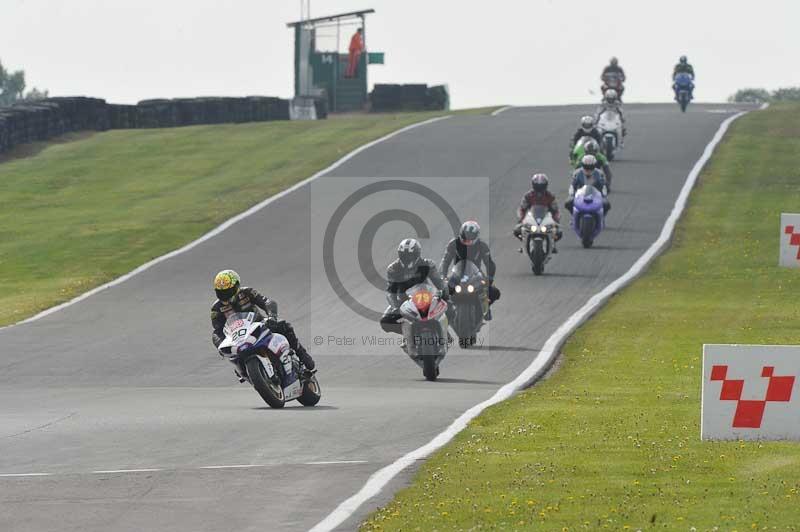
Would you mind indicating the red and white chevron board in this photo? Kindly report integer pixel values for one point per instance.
(790, 240)
(750, 392)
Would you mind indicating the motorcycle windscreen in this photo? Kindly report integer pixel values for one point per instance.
(464, 270)
(539, 213)
(587, 194)
(237, 321)
(422, 295)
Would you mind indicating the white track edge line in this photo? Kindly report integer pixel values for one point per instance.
(9, 475)
(335, 462)
(378, 480)
(225, 225)
(145, 470)
(501, 110)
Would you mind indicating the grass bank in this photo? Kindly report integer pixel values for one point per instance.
(611, 440)
(74, 215)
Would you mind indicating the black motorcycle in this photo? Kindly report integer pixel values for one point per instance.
(469, 299)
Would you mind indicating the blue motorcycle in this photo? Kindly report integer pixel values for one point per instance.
(683, 87)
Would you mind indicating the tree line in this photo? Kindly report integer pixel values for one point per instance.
(12, 87)
(786, 94)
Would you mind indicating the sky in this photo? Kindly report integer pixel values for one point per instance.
(503, 52)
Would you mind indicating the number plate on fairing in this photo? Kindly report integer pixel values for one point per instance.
(293, 391)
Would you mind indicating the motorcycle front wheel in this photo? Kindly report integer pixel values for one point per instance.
(271, 392)
(311, 392)
(587, 230)
(536, 251)
(429, 369)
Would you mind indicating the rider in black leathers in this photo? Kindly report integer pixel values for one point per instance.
(233, 298)
(408, 270)
(468, 245)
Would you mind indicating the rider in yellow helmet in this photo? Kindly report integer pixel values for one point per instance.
(233, 298)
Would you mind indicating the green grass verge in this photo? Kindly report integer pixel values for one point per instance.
(611, 440)
(74, 215)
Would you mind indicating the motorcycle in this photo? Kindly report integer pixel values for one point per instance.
(424, 327)
(683, 87)
(469, 299)
(578, 150)
(588, 218)
(612, 80)
(609, 123)
(266, 361)
(538, 233)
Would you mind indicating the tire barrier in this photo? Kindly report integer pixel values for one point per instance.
(410, 97)
(40, 120)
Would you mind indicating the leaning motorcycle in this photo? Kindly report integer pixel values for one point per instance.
(683, 89)
(538, 233)
(267, 362)
(424, 327)
(470, 300)
(588, 218)
(609, 123)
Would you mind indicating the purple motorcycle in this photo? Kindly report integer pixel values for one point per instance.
(587, 214)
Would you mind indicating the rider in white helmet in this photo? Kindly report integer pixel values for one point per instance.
(612, 102)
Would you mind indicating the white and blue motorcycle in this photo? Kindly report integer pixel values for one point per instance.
(265, 360)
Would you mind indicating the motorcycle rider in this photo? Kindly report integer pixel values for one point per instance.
(408, 270)
(588, 174)
(539, 195)
(614, 68)
(468, 246)
(592, 148)
(233, 298)
(683, 67)
(611, 102)
(586, 129)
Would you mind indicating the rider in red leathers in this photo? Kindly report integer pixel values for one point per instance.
(538, 195)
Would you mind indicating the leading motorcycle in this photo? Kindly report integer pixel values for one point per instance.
(612, 80)
(469, 299)
(683, 86)
(424, 327)
(267, 362)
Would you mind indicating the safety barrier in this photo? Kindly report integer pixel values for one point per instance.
(410, 97)
(43, 119)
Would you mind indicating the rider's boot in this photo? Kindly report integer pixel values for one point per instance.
(304, 357)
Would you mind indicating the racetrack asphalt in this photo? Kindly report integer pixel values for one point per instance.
(127, 379)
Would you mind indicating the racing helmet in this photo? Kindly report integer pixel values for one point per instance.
(683, 60)
(611, 95)
(614, 61)
(409, 252)
(226, 284)
(589, 162)
(591, 148)
(539, 182)
(587, 123)
(469, 233)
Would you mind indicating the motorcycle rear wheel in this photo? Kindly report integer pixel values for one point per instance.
(609, 149)
(270, 392)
